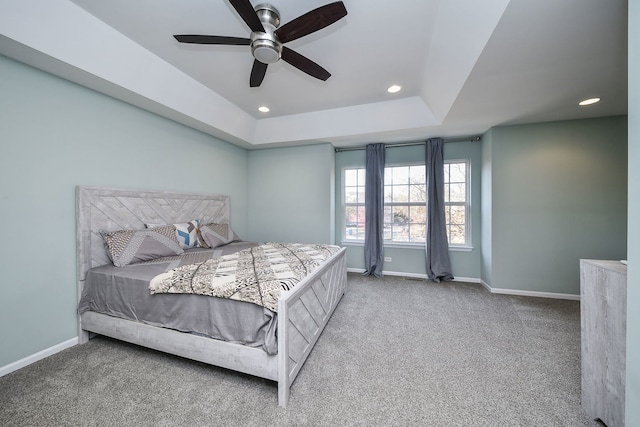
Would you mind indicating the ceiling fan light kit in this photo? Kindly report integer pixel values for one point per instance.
(267, 37)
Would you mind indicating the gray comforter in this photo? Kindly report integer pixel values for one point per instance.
(124, 292)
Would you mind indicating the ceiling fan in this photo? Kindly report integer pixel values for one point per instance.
(267, 37)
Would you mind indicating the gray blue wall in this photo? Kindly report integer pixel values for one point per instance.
(55, 135)
(557, 193)
(633, 278)
(291, 194)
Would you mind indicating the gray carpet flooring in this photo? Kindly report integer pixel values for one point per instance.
(397, 352)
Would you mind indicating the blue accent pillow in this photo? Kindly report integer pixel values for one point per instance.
(186, 233)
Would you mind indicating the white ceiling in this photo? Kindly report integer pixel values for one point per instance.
(464, 65)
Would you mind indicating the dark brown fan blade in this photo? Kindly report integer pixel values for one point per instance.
(248, 15)
(197, 39)
(257, 73)
(312, 21)
(304, 64)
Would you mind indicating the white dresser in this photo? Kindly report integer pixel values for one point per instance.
(603, 310)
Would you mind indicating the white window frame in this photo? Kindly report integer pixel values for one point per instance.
(390, 225)
(359, 219)
(391, 243)
(466, 204)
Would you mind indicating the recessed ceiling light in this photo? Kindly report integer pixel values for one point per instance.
(263, 109)
(394, 89)
(589, 101)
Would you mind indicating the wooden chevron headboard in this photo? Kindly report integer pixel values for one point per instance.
(109, 209)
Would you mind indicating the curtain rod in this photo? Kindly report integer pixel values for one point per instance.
(475, 138)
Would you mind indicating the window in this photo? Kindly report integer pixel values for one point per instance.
(404, 203)
(354, 204)
(456, 202)
(405, 198)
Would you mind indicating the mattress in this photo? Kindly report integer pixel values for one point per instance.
(124, 292)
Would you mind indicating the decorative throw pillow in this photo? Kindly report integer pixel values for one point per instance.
(213, 235)
(128, 246)
(186, 232)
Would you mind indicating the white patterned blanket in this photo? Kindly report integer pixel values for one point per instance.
(257, 275)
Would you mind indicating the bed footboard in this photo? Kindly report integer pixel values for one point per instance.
(302, 315)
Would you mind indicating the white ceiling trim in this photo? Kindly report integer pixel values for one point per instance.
(405, 113)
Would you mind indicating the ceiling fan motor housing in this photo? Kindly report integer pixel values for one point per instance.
(267, 36)
(266, 47)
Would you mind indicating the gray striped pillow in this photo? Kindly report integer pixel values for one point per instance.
(130, 246)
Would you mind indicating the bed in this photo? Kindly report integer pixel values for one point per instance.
(302, 312)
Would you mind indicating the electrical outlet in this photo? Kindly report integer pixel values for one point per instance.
(387, 259)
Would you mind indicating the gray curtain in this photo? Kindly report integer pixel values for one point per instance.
(374, 210)
(437, 246)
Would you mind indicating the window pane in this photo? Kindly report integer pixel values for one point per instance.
(386, 235)
(418, 193)
(400, 214)
(457, 192)
(361, 195)
(418, 233)
(456, 235)
(401, 223)
(388, 194)
(400, 233)
(387, 221)
(360, 224)
(361, 176)
(354, 222)
(417, 174)
(351, 215)
(417, 214)
(351, 195)
(351, 177)
(387, 215)
(457, 215)
(351, 222)
(447, 190)
(457, 172)
(400, 175)
(400, 193)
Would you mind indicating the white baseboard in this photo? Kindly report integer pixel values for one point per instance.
(7, 369)
(414, 275)
(535, 294)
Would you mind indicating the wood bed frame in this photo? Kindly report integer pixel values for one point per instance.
(303, 312)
